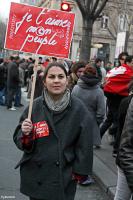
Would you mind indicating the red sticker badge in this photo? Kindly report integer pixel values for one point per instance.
(41, 129)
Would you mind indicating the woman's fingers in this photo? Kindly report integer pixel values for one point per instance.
(27, 126)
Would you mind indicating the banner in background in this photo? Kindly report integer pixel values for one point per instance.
(120, 43)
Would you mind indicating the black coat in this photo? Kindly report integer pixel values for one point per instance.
(2, 76)
(46, 169)
(13, 76)
(126, 147)
(39, 86)
(121, 120)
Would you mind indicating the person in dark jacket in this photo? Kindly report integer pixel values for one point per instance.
(12, 81)
(89, 91)
(2, 82)
(126, 148)
(56, 141)
(122, 190)
(121, 116)
(39, 82)
(98, 63)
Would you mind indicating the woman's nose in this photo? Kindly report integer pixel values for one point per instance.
(56, 79)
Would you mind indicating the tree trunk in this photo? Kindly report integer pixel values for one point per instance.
(86, 40)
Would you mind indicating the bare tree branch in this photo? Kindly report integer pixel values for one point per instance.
(88, 4)
(99, 10)
(112, 35)
(94, 7)
(115, 28)
(81, 5)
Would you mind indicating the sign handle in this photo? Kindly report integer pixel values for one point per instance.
(32, 92)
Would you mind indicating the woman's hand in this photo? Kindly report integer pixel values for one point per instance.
(26, 126)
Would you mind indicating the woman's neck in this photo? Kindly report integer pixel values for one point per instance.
(55, 97)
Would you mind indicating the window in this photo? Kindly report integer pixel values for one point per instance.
(104, 22)
(122, 22)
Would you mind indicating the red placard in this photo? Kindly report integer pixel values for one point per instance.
(39, 30)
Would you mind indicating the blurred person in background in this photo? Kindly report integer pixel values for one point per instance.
(17, 100)
(12, 81)
(108, 66)
(108, 123)
(29, 72)
(97, 65)
(46, 62)
(53, 59)
(88, 90)
(2, 82)
(77, 70)
(40, 61)
(24, 66)
(115, 89)
(121, 58)
(103, 71)
(39, 85)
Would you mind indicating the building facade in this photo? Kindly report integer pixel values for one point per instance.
(29, 2)
(116, 18)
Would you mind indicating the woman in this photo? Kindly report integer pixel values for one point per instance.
(57, 141)
(77, 70)
(89, 91)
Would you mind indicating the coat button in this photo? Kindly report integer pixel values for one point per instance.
(57, 163)
(39, 183)
(39, 165)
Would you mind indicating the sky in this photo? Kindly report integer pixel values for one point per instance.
(5, 7)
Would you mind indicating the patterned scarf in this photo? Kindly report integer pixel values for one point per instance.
(59, 105)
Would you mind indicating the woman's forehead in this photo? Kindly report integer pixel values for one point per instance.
(56, 70)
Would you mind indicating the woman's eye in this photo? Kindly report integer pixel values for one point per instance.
(51, 77)
(61, 77)
(54, 77)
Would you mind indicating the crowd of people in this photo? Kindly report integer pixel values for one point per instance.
(75, 105)
(16, 73)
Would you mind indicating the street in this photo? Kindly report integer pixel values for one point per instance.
(10, 155)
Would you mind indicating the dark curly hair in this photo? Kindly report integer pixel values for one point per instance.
(90, 69)
(77, 65)
(55, 64)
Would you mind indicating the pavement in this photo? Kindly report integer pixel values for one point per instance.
(104, 167)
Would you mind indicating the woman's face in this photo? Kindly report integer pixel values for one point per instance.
(56, 81)
(80, 72)
(122, 60)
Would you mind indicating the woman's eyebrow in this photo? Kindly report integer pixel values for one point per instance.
(56, 74)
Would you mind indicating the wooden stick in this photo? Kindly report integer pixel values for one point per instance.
(32, 92)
